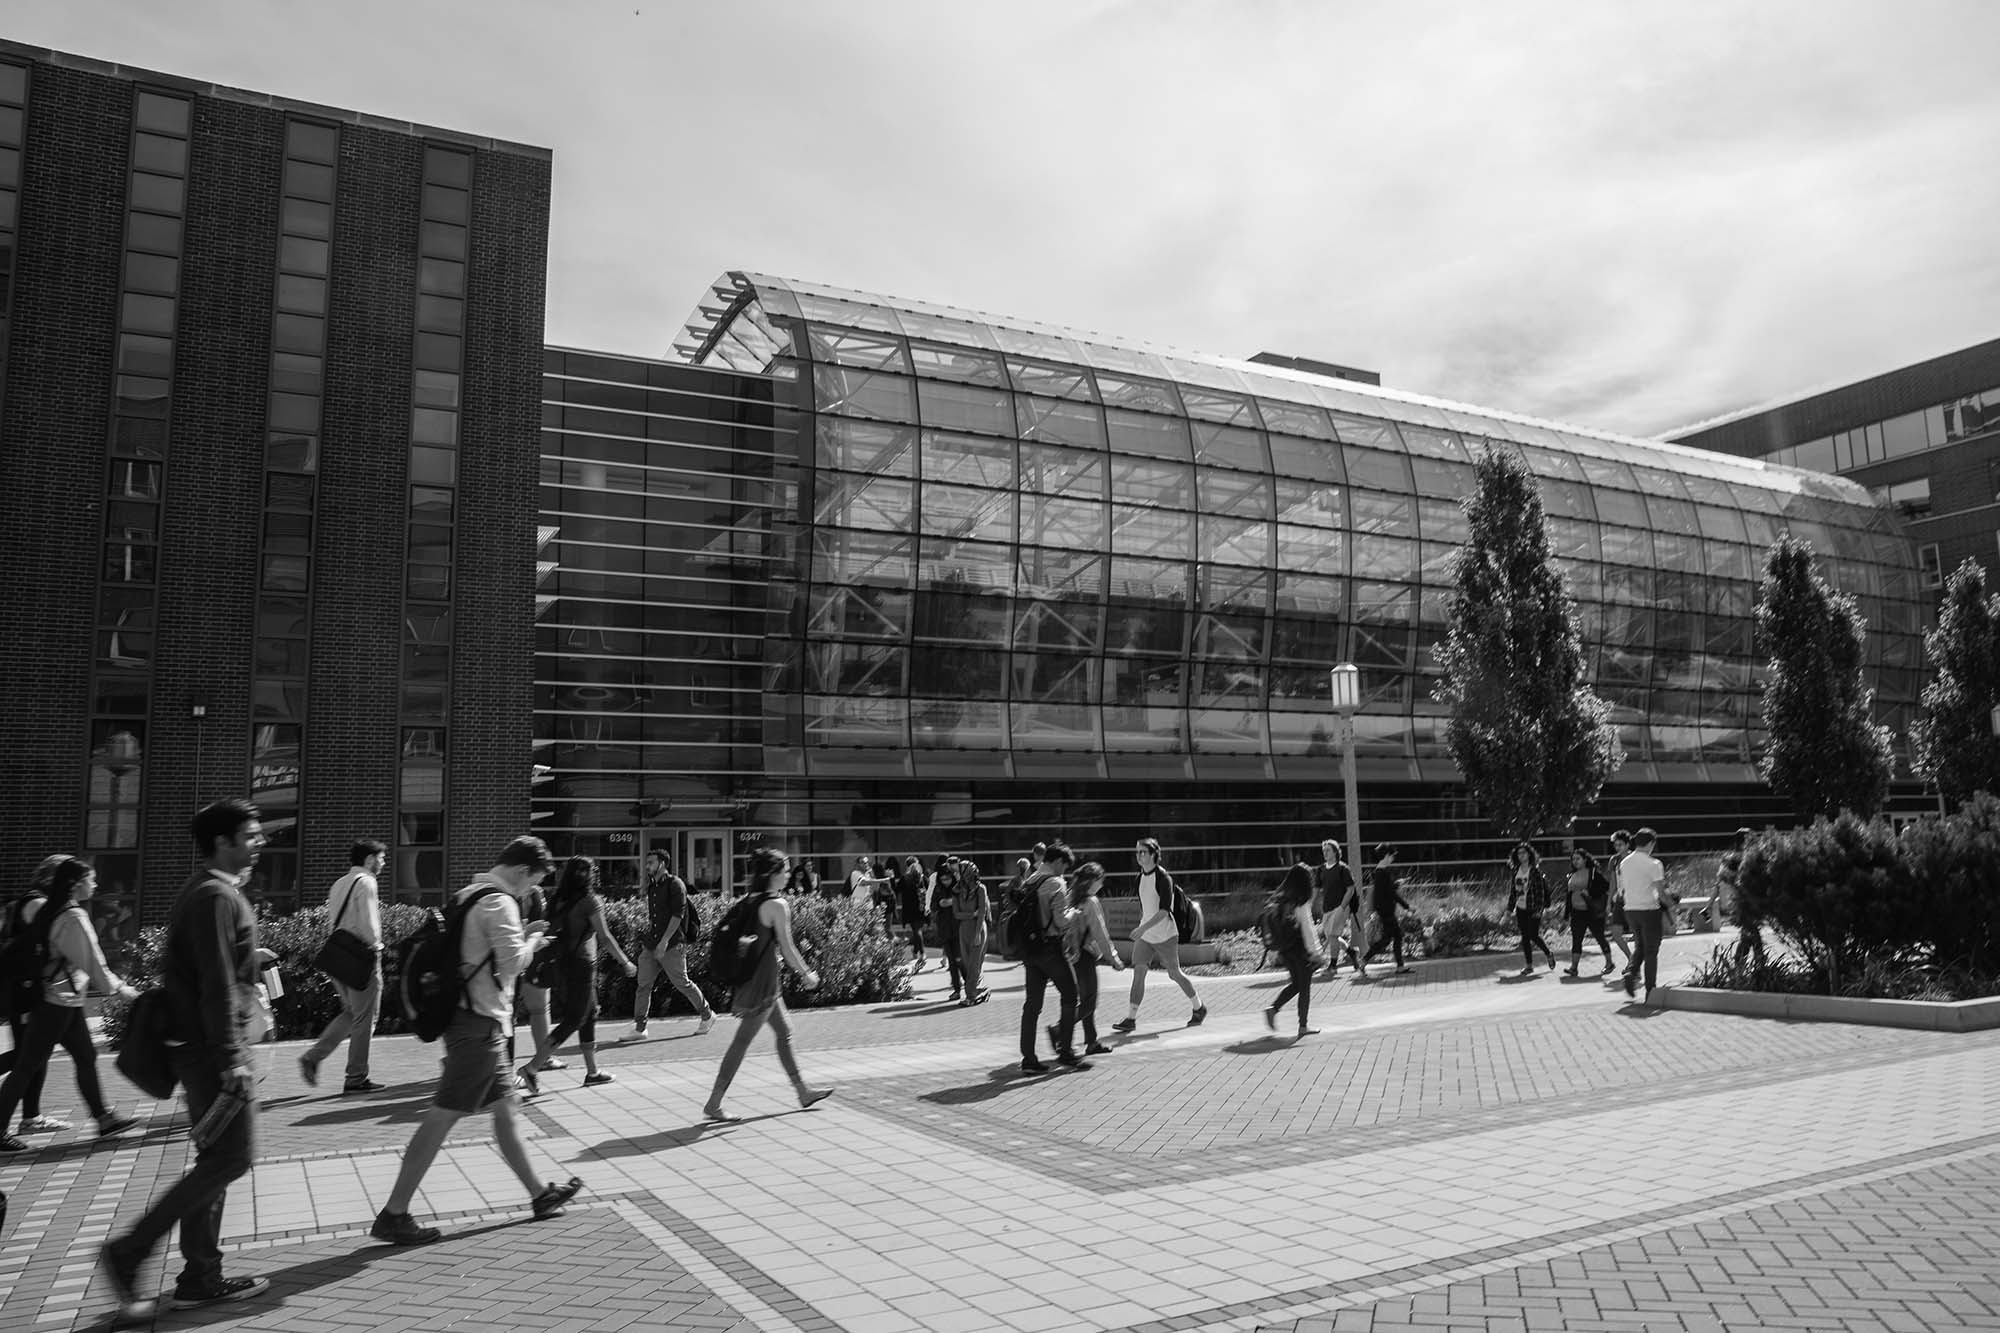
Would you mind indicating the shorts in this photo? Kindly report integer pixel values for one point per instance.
(475, 1065)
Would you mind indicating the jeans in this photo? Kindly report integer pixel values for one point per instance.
(1392, 936)
(1086, 996)
(1647, 929)
(1041, 965)
(354, 1024)
(1530, 925)
(747, 1027)
(195, 1201)
(21, 1006)
(673, 964)
(1299, 967)
(1581, 924)
(947, 933)
(971, 951)
(52, 1025)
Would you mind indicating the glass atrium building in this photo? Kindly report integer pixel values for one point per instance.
(1001, 580)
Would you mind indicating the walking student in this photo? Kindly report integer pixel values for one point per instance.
(1619, 927)
(1589, 897)
(576, 914)
(75, 968)
(1645, 881)
(1090, 946)
(1529, 902)
(356, 905)
(760, 1000)
(209, 968)
(944, 920)
(1386, 893)
(1156, 936)
(492, 951)
(534, 997)
(1292, 930)
(910, 905)
(24, 995)
(1045, 959)
(972, 909)
(1340, 910)
(665, 952)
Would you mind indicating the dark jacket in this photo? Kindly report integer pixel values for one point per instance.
(208, 968)
(1388, 891)
(1537, 897)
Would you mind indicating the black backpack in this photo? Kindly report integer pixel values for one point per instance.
(1186, 914)
(433, 985)
(733, 952)
(1277, 927)
(24, 958)
(690, 922)
(1025, 927)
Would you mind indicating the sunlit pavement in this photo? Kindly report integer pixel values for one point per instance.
(1457, 1148)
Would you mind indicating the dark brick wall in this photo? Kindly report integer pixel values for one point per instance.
(54, 422)
(492, 733)
(214, 485)
(363, 506)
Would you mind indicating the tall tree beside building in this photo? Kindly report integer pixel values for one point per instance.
(1825, 752)
(1954, 740)
(1531, 737)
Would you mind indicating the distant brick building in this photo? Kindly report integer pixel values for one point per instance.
(269, 399)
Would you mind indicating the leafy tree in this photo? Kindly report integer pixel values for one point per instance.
(1825, 753)
(1955, 744)
(1532, 739)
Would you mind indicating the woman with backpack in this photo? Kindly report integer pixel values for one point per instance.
(24, 992)
(72, 967)
(1090, 946)
(759, 998)
(1529, 901)
(1287, 926)
(1589, 902)
(569, 965)
(1156, 936)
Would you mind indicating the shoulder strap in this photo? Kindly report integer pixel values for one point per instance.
(346, 898)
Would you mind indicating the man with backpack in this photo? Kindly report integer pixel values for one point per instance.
(1039, 916)
(489, 947)
(210, 966)
(665, 953)
(21, 962)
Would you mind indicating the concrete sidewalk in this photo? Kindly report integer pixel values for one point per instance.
(1455, 1149)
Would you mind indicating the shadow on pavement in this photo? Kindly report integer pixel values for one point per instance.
(1004, 1079)
(919, 1009)
(1640, 1009)
(683, 1137)
(1268, 1044)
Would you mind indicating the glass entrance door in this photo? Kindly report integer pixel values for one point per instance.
(704, 859)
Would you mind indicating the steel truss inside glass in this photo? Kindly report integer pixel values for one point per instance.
(1027, 552)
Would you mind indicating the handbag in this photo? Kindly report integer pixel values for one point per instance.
(344, 956)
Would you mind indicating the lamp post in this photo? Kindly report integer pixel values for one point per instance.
(1346, 699)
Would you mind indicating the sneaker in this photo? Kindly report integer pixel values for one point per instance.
(524, 1078)
(124, 1276)
(811, 1097)
(638, 1033)
(1552, 964)
(44, 1124)
(1527, 971)
(719, 1116)
(402, 1229)
(707, 1021)
(1200, 1012)
(1097, 1048)
(1271, 1019)
(1405, 971)
(981, 997)
(1569, 971)
(366, 1085)
(1033, 1066)
(9, 1143)
(1071, 1060)
(1125, 1025)
(1308, 1032)
(115, 1122)
(309, 1071)
(1631, 983)
(553, 1063)
(599, 1079)
(1608, 970)
(190, 1296)
(956, 993)
(549, 1203)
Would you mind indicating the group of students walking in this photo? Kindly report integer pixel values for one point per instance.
(1622, 900)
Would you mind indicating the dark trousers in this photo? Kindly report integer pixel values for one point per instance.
(1392, 936)
(53, 1025)
(20, 1008)
(1530, 925)
(1299, 966)
(947, 933)
(1086, 996)
(1647, 928)
(195, 1200)
(1581, 924)
(1040, 966)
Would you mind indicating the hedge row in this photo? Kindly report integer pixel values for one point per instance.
(845, 944)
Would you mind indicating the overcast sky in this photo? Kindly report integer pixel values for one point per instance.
(1629, 215)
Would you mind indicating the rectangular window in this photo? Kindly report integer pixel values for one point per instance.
(1930, 565)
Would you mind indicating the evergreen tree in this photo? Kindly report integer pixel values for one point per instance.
(1531, 737)
(1955, 744)
(1825, 752)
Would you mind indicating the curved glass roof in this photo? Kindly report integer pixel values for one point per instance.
(733, 326)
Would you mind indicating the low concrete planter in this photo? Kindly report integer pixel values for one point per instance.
(1928, 1015)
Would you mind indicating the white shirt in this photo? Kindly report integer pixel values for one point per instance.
(492, 928)
(355, 898)
(1149, 903)
(1643, 878)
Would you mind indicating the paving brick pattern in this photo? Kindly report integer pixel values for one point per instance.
(1727, 1173)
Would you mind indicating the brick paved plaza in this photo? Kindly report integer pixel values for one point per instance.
(1456, 1149)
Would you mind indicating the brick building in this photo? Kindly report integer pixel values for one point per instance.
(269, 400)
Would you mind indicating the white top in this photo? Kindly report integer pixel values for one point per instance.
(1160, 932)
(355, 898)
(1643, 878)
(493, 927)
